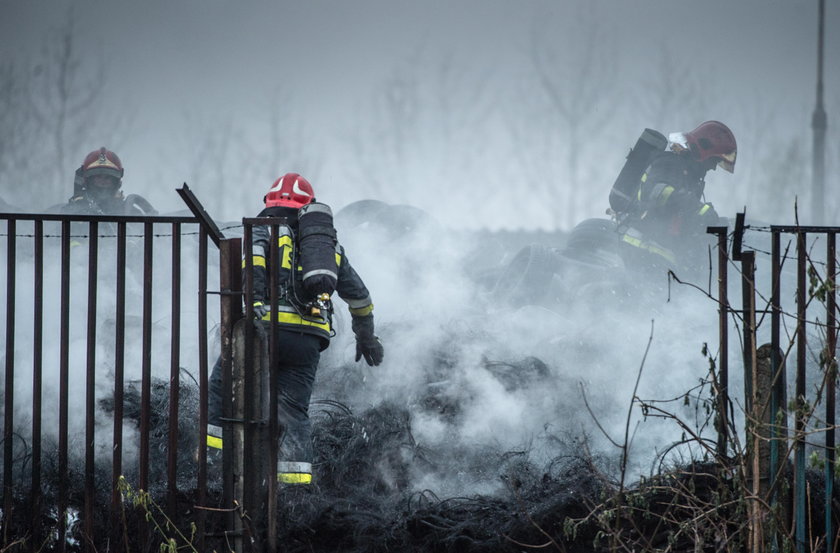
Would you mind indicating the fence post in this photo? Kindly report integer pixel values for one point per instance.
(723, 355)
(230, 283)
(831, 382)
(800, 418)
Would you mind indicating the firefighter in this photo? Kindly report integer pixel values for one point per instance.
(97, 189)
(302, 335)
(665, 223)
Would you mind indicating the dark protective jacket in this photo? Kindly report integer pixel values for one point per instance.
(670, 214)
(118, 205)
(294, 303)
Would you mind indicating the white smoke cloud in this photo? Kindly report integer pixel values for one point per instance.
(465, 346)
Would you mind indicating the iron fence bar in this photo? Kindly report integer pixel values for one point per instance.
(174, 370)
(90, 385)
(748, 299)
(799, 229)
(119, 383)
(230, 284)
(723, 326)
(64, 380)
(37, 380)
(831, 386)
(248, 499)
(146, 366)
(8, 412)
(801, 343)
(97, 218)
(200, 213)
(775, 362)
(203, 381)
(273, 433)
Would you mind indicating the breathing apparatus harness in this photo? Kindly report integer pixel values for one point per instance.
(313, 249)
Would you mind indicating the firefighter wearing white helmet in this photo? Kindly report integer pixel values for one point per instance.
(313, 266)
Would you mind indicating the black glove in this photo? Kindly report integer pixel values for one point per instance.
(371, 349)
(367, 343)
(260, 310)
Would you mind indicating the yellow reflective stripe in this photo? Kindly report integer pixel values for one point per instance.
(284, 240)
(362, 310)
(214, 442)
(632, 241)
(704, 209)
(652, 249)
(644, 177)
(337, 259)
(665, 194)
(258, 261)
(295, 319)
(294, 478)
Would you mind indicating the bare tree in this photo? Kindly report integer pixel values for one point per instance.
(574, 63)
(427, 131)
(672, 92)
(231, 164)
(49, 110)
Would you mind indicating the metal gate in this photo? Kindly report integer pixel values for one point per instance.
(811, 347)
(106, 381)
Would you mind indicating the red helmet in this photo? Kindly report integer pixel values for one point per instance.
(713, 139)
(102, 162)
(290, 190)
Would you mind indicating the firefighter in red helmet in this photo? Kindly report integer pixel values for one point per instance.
(667, 214)
(312, 264)
(97, 188)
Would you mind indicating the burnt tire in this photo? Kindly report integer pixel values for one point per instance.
(527, 278)
(595, 242)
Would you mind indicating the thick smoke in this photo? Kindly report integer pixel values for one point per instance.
(105, 330)
(483, 375)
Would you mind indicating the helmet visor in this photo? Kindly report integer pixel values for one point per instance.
(727, 162)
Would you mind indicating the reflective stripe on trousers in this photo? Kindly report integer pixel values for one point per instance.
(293, 472)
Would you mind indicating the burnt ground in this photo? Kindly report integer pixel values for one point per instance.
(364, 501)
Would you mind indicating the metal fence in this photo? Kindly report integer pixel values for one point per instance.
(811, 347)
(97, 320)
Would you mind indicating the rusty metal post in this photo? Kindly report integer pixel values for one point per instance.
(273, 427)
(203, 383)
(146, 357)
(249, 479)
(748, 299)
(778, 393)
(801, 352)
(753, 407)
(230, 282)
(174, 372)
(119, 381)
(723, 332)
(8, 412)
(63, 386)
(146, 368)
(37, 378)
(90, 385)
(831, 385)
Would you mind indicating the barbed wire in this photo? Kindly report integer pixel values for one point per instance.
(154, 235)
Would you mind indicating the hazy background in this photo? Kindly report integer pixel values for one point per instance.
(487, 113)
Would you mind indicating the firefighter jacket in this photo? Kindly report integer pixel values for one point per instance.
(669, 213)
(294, 310)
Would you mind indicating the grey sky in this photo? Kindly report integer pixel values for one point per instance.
(225, 61)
